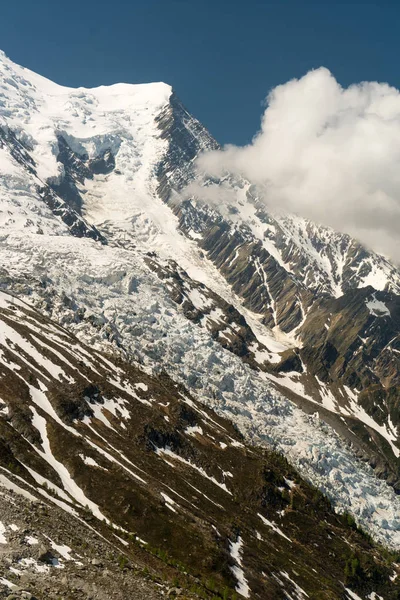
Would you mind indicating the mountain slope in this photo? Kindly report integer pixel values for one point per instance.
(163, 481)
(101, 233)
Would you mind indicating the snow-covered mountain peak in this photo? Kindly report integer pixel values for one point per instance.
(42, 110)
(72, 140)
(157, 93)
(120, 155)
(110, 164)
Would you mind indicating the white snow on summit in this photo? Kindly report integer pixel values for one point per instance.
(91, 118)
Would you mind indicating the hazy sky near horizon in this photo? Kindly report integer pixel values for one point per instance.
(222, 57)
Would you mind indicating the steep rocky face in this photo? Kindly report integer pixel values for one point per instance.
(186, 138)
(255, 275)
(348, 364)
(359, 327)
(327, 262)
(354, 341)
(152, 479)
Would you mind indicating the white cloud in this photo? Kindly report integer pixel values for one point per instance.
(328, 153)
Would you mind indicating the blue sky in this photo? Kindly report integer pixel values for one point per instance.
(221, 57)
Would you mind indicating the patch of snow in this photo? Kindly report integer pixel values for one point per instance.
(194, 430)
(168, 501)
(32, 563)
(10, 485)
(3, 539)
(300, 593)
(352, 595)
(88, 460)
(274, 527)
(31, 540)
(377, 308)
(168, 452)
(7, 583)
(291, 484)
(69, 484)
(236, 550)
(62, 549)
(116, 461)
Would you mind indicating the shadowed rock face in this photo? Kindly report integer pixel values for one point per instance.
(18, 151)
(266, 288)
(75, 171)
(186, 137)
(93, 438)
(357, 333)
(346, 341)
(76, 224)
(77, 168)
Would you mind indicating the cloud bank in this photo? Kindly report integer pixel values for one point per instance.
(329, 153)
